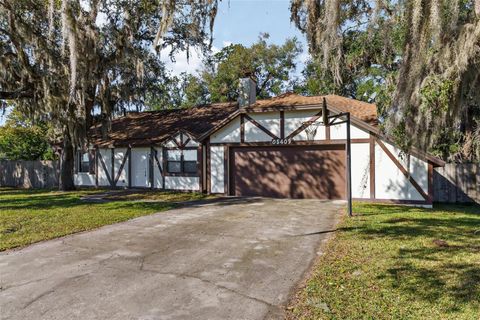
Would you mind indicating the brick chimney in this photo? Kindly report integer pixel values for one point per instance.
(247, 92)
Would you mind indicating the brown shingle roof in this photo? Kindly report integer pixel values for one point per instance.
(362, 110)
(153, 127)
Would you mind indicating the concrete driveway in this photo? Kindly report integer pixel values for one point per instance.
(231, 259)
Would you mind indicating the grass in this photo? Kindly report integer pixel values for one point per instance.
(28, 216)
(394, 262)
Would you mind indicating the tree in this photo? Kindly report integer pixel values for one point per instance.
(422, 55)
(269, 65)
(20, 139)
(64, 61)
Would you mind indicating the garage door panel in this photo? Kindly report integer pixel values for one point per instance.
(289, 172)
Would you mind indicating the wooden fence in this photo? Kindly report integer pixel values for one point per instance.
(29, 174)
(457, 183)
(452, 183)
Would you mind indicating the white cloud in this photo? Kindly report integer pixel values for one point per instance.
(181, 63)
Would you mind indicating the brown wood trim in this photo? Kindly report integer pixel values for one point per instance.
(225, 170)
(430, 182)
(327, 132)
(112, 182)
(393, 201)
(104, 166)
(372, 167)
(282, 124)
(259, 126)
(96, 167)
(181, 148)
(207, 166)
(129, 167)
(180, 174)
(127, 154)
(402, 169)
(200, 167)
(159, 167)
(242, 128)
(315, 106)
(293, 143)
(151, 173)
(222, 123)
(305, 125)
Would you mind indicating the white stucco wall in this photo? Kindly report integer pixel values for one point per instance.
(229, 133)
(391, 183)
(339, 131)
(107, 158)
(295, 119)
(269, 120)
(182, 183)
(217, 169)
(157, 176)
(84, 179)
(120, 153)
(360, 170)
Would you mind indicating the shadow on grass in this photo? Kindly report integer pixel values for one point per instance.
(436, 253)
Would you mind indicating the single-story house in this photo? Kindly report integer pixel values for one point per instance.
(276, 147)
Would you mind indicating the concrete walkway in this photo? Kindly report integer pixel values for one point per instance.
(234, 259)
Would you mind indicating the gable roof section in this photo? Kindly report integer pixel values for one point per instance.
(154, 127)
(364, 111)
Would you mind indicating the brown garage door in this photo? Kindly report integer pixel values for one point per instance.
(288, 172)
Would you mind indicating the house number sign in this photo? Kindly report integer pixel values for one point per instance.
(281, 141)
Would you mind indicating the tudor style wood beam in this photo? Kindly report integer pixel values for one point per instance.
(403, 170)
(129, 166)
(122, 165)
(104, 166)
(372, 167)
(305, 125)
(259, 126)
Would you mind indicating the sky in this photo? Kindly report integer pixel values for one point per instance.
(241, 21)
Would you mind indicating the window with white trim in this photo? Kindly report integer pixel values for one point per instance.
(182, 161)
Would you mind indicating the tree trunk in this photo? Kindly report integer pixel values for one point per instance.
(67, 165)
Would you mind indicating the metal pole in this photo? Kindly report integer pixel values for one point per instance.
(349, 168)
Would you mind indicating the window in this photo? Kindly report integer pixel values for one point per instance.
(182, 161)
(83, 162)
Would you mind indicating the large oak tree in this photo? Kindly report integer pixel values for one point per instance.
(66, 61)
(420, 59)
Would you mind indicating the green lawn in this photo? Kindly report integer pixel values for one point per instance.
(393, 262)
(28, 216)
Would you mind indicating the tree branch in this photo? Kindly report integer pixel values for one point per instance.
(12, 95)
